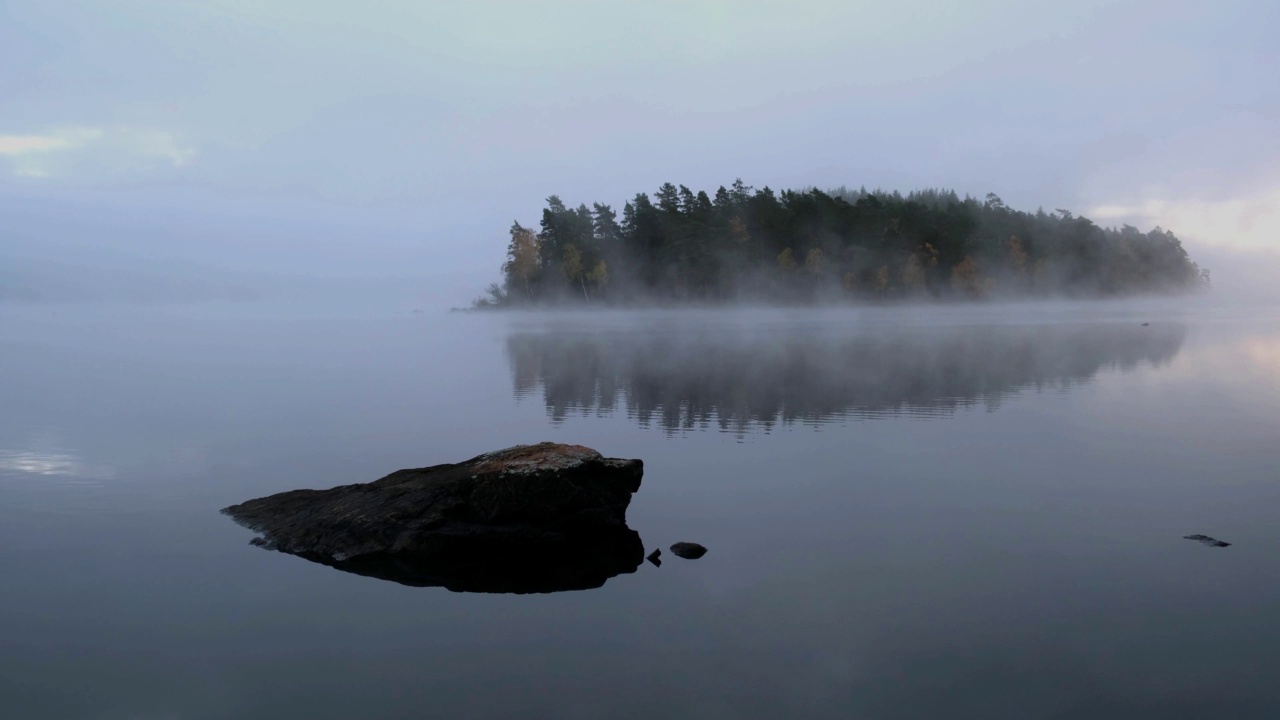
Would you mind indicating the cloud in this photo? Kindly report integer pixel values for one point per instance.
(162, 144)
(20, 144)
(91, 152)
(59, 140)
(1251, 220)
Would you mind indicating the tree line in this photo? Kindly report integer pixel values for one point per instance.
(743, 244)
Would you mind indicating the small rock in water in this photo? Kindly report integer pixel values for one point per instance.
(1146, 324)
(688, 550)
(653, 558)
(1206, 540)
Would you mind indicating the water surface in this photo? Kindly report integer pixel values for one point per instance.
(929, 512)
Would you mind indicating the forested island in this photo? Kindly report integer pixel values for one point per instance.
(748, 245)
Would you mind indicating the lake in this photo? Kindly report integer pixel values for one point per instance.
(965, 511)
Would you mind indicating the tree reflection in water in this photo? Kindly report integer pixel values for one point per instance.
(683, 379)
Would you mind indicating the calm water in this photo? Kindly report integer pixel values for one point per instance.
(938, 512)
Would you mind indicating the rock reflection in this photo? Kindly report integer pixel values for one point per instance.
(745, 382)
(579, 561)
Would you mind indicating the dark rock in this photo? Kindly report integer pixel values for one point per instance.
(1146, 324)
(688, 550)
(532, 518)
(653, 557)
(1206, 540)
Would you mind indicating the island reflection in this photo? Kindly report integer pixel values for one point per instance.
(742, 382)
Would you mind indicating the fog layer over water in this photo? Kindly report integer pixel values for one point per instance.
(968, 511)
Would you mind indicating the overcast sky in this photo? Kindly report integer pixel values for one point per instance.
(410, 134)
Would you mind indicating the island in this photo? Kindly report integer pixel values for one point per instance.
(740, 244)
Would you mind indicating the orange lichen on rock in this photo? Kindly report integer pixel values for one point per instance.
(543, 457)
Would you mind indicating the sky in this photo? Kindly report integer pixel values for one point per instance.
(402, 138)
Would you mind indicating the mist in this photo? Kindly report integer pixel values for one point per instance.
(90, 253)
(1242, 276)
(947, 387)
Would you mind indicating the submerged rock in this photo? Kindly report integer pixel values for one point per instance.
(688, 550)
(1206, 540)
(531, 518)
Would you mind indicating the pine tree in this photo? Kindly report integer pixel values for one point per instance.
(523, 260)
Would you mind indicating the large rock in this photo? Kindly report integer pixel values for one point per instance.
(531, 518)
